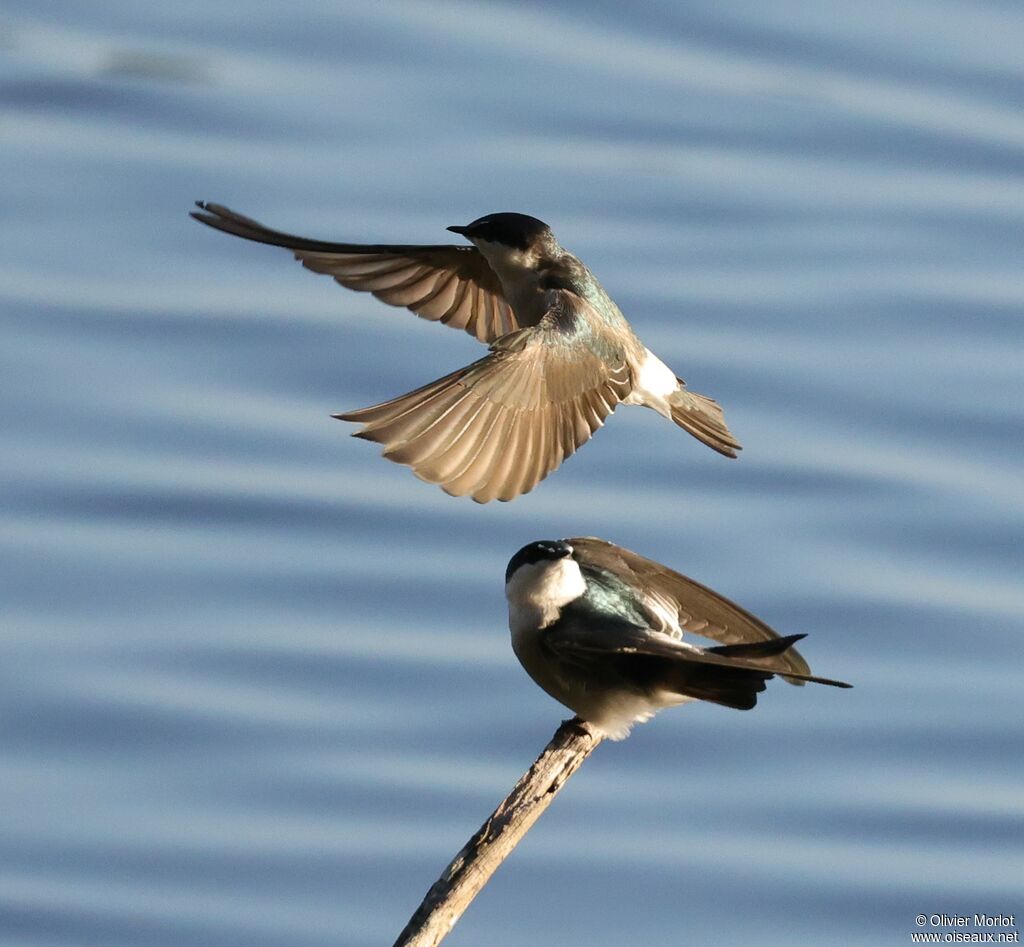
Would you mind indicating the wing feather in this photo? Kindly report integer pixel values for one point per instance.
(589, 646)
(496, 428)
(440, 300)
(675, 603)
(482, 458)
(444, 283)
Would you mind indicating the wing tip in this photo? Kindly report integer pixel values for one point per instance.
(204, 215)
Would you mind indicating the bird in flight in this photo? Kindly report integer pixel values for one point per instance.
(562, 356)
(600, 629)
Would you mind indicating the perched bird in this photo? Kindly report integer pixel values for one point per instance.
(600, 629)
(562, 355)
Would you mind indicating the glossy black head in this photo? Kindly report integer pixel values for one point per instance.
(518, 231)
(540, 551)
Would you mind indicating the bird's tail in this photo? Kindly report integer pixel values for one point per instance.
(735, 687)
(741, 674)
(703, 418)
(761, 655)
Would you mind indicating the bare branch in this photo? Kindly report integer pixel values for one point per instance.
(471, 869)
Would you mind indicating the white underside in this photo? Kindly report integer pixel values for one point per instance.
(655, 383)
(536, 595)
(614, 713)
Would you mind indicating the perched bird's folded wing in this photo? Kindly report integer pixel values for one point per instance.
(651, 658)
(496, 428)
(445, 283)
(674, 603)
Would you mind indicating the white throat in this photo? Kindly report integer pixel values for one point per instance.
(537, 593)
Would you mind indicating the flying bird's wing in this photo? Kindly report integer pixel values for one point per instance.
(674, 603)
(444, 283)
(614, 653)
(496, 428)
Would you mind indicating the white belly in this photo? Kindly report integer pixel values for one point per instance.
(536, 594)
(613, 712)
(655, 383)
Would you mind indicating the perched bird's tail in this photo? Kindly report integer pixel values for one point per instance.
(735, 687)
(739, 673)
(761, 655)
(703, 418)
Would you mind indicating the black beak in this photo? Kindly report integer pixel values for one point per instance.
(458, 230)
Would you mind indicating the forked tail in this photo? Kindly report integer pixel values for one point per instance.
(703, 418)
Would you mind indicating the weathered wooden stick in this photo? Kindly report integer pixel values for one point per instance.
(472, 868)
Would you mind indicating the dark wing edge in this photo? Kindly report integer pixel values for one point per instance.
(443, 283)
(701, 610)
(628, 641)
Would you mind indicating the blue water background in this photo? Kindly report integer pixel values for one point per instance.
(255, 683)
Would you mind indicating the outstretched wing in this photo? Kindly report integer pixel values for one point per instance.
(674, 603)
(496, 428)
(444, 283)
